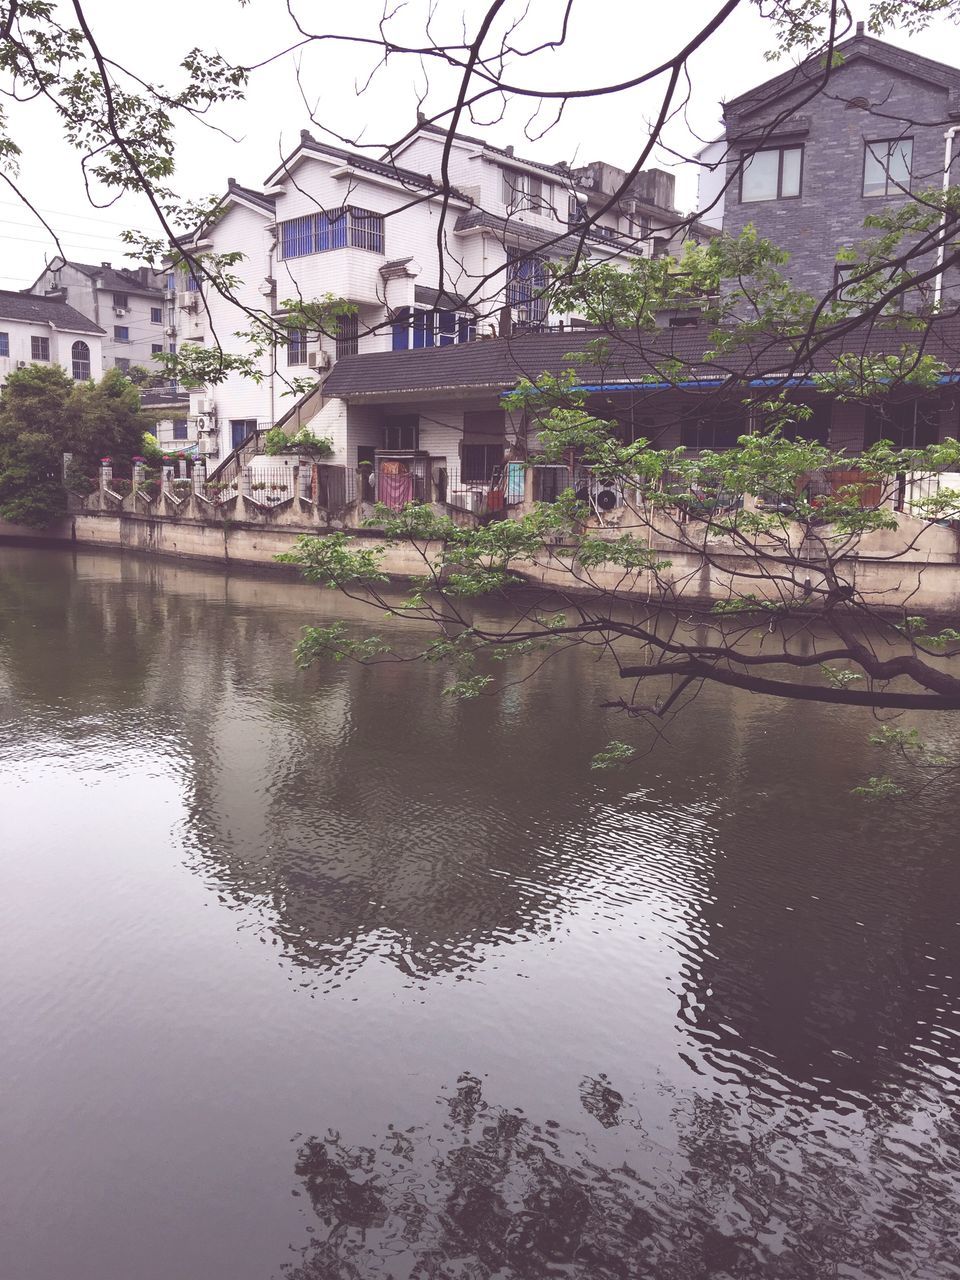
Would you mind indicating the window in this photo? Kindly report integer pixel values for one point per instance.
(525, 191)
(240, 429)
(348, 329)
(576, 212)
(886, 166)
(121, 300)
(180, 429)
(80, 359)
(526, 283)
(4, 344)
(171, 282)
(156, 348)
(297, 346)
(333, 229)
(193, 284)
(172, 349)
(39, 348)
(417, 327)
(479, 461)
(122, 363)
(771, 174)
(156, 315)
(907, 424)
(720, 432)
(121, 333)
(401, 433)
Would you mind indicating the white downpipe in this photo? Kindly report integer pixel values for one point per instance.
(947, 157)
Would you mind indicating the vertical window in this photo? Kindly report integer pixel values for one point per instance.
(526, 285)
(80, 359)
(193, 284)
(122, 363)
(180, 429)
(576, 212)
(171, 282)
(39, 348)
(401, 433)
(886, 166)
(240, 429)
(525, 191)
(348, 329)
(121, 300)
(172, 349)
(121, 333)
(400, 329)
(775, 173)
(156, 315)
(297, 346)
(4, 344)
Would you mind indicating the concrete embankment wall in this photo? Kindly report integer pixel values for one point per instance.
(926, 580)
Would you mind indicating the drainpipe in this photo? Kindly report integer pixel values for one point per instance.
(271, 303)
(947, 157)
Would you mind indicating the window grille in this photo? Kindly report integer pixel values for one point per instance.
(80, 359)
(332, 229)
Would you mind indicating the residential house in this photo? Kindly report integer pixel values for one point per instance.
(426, 263)
(129, 305)
(47, 331)
(806, 156)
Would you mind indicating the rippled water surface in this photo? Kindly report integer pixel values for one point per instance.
(323, 974)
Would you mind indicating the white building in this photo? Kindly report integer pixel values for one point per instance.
(425, 264)
(128, 305)
(47, 331)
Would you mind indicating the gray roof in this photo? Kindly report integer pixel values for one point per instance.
(858, 46)
(33, 309)
(561, 239)
(559, 170)
(267, 203)
(497, 364)
(385, 168)
(115, 279)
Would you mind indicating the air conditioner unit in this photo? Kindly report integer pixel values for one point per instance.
(318, 359)
(187, 300)
(202, 407)
(605, 492)
(119, 311)
(21, 364)
(171, 331)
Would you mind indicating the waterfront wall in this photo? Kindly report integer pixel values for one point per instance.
(927, 579)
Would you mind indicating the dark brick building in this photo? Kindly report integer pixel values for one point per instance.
(809, 154)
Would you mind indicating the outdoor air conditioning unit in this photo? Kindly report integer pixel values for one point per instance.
(202, 407)
(119, 311)
(21, 364)
(318, 359)
(171, 331)
(187, 300)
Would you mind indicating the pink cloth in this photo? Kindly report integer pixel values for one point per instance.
(395, 491)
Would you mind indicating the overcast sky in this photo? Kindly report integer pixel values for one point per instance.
(609, 40)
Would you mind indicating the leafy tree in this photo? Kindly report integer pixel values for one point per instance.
(44, 414)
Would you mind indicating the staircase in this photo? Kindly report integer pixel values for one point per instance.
(297, 416)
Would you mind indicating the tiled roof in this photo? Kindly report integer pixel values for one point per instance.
(559, 170)
(858, 45)
(497, 364)
(267, 203)
(115, 279)
(34, 309)
(384, 168)
(559, 239)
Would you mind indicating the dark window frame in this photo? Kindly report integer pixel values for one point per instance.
(296, 346)
(156, 315)
(747, 155)
(4, 344)
(121, 300)
(348, 336)
(121, 333)
(40, 348)
(886, 193)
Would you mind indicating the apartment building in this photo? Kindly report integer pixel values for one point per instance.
(425, 262)
(129, 306)
(806, 156)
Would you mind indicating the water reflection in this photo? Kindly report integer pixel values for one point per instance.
(755, 977)
(486, 1191)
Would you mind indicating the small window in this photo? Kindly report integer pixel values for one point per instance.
(297, 346)
(193, 284)
(39, 348)
(348, 333)
(180, 429)
(122, 363)
(401, 433)
(121, 300)
(4, 344)
(525, 191)
(172, 349)
(775, 173)
(156, 348)
(156, 315)
(886, 167)
(240, 429)
(121, 333)
(479, 461)
(171, 282)
(80, 360)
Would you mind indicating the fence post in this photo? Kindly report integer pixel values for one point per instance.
(166, 482)
(528, 486)
(106, 473)
(246, 480)
(181, 466)
(199, 475)
(138, 469)
(315, 483)
(67, 459)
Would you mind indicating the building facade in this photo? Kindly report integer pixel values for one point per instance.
(129, 306)
(37, 330)
(424, 263)
(807, 156)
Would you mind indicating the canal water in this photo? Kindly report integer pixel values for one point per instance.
(321, 975)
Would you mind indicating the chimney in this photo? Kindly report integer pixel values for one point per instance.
(859, 28)
(106, 264)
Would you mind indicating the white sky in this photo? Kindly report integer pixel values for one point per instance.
(608, 40)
